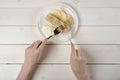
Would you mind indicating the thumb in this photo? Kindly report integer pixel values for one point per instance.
(44, 42)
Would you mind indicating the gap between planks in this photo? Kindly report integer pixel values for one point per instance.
(62, 44)
(61, 63)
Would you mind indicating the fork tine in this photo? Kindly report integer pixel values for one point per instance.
(57, 31)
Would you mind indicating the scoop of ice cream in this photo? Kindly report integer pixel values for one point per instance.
(47, 31)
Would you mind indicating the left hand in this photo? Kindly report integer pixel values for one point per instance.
(33, 53)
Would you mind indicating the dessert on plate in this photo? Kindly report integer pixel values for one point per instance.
(59, 17)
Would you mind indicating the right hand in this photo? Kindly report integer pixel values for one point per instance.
(78, 63)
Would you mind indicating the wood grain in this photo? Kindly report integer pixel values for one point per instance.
(104, 54)
(76, 3)
(85, 35)
(87, 16)
(62, 72)
(97, 37)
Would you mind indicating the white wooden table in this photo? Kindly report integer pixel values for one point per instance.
(98, 36)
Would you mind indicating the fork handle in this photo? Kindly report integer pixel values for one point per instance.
(50, 36)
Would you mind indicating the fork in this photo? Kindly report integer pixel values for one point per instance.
(57, 31)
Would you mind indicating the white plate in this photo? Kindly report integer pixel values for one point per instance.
(64, 36)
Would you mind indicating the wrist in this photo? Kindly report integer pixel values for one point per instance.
(26, 72)
(83, 76)
(29, 67)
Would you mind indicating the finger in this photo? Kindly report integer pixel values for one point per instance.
(43, 43)
(32, 44)
(83, 57)
(76, 54)
(39, 44)
(72, 47)
(36, 44)
(28, 47)
(79, 53)
(73, 51)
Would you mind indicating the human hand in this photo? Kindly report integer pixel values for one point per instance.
(78, 63)
(33, 53)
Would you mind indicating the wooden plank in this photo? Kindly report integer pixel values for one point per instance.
(87, 16)
(21, 35)
(77, 3)
(63, 72)
(99, 16)
(85, 35)
(97, 35)
(61, 53)
(18, 16)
